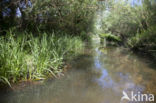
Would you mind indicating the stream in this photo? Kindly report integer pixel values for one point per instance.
(99, 75)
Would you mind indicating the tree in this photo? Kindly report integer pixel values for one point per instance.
(66, 15)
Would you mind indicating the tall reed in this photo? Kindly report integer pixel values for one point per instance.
(24, 56)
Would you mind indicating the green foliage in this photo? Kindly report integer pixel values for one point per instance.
(72, 16)
(69, 16)
(125, 20)
(24, 56)
(121, 19)
(31, 56)
(85, 36)
(134, 24)
(109, 36)
(144, 39)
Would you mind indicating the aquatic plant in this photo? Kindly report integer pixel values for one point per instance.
(24, 56)
(110, 37)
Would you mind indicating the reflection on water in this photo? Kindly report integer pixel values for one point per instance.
(97, 76)
(112, 75)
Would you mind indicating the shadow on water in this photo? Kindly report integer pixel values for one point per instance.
(148, 58)
(97, 76)
(84, 62)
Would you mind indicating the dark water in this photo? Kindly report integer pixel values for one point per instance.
(100, 75)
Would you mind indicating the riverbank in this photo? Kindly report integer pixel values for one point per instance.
(139, 45)
(25, 57)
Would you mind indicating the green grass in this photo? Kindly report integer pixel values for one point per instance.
(26, 57)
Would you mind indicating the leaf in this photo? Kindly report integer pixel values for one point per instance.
(5, 80)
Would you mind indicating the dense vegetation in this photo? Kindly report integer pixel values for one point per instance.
(37, 36)
(28, 57)
(72, 16)
(133, 23)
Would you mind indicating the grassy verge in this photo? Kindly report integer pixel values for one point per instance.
(27, 57)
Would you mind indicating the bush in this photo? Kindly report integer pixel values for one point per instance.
(145, 39)
(110, 37)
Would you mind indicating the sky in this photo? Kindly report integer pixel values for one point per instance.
(18, 12)
(135, 2)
